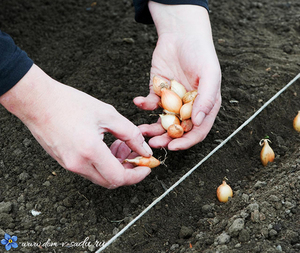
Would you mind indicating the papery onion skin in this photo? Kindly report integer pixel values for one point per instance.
(170, 100)
(267, 154)
(224, 191)
(186, 111)
(178, 88)
(167, 120)
(175, 131)
(187, 125)
(150, 162)
(189, 96)
(158, 84)
(296, 122)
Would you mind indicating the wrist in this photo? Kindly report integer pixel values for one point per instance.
(24, 99)
(183, 19)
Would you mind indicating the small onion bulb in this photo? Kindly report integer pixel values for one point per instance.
(186, 111)
(189, 96)
(170, 100)
(158, 84)
(168, 120)
(187, 125)
(267, 154)
(150, 162)
(178, 88)
(175, 131)
(296, 122)
(224, 191)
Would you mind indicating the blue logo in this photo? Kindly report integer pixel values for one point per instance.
(9, 241)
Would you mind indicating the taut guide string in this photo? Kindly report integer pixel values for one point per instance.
(196, 166)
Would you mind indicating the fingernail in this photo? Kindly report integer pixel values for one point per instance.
(147, 148)
(199, 118)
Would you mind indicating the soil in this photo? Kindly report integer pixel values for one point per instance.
(98, 48)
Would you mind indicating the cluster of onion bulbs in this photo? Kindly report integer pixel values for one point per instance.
(177, 103)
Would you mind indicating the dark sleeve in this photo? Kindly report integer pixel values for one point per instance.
(14, 63)
(142, 13)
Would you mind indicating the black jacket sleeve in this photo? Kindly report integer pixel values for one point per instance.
(14, 63)
(142, 13)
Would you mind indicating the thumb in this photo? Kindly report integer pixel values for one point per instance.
(208, 92)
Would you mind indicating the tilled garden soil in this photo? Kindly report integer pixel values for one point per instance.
(98, 48)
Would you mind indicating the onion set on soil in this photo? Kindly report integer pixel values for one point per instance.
(224, 192)
(296, 122)
(267, 154)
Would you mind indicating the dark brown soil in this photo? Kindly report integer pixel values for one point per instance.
(102, 51)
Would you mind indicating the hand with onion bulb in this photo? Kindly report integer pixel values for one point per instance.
(70, 126)
(185, 53)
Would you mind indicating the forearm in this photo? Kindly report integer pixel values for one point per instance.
(19, 85)
(23, 99)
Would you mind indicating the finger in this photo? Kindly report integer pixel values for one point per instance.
(93, 175)
(208, 93)
(108, 168)
(115, 146)
(161, 141)
(133, 175)
(147, 103)
(120, 150)
(151, 130)
(197, 134)
(126, 131)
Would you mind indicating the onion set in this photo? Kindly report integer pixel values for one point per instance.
(168, 120)
(150, 162)
(267, 154)
(224, 192)
(178, 88)
(186, 111)
(187, 125)
(158, 84)
(296, 122)
(175, 131)
(189, 96)
(170, 100)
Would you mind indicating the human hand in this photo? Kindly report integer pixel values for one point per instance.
(184, 52)
(70, 126)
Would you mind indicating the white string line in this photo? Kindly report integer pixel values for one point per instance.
(195, 167)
